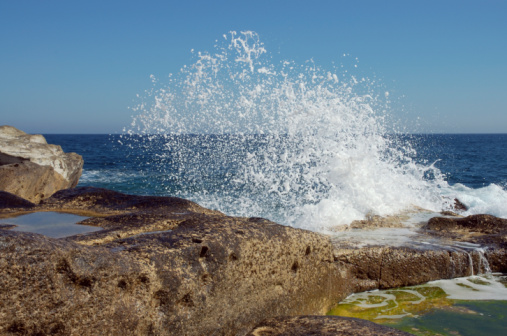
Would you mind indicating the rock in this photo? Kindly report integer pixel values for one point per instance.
(321, 326)
(485, 230)
(485, 224)
(376, 222)
(458, 205)
(383, 267)
(33, 169)
(167, 266)
(10, 201)
(162, 266)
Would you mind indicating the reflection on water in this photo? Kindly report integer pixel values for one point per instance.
(465, 306)
(51, 224)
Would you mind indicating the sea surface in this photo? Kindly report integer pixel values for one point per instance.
(473, 168)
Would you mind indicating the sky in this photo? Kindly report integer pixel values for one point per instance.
(76, 66)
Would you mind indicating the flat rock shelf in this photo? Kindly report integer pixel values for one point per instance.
(167, 266)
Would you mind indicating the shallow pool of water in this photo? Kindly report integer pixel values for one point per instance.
(51, 224)
(475, 305)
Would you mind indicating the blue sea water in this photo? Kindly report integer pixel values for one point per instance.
(473, 166)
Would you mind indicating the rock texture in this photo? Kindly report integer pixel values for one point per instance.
(322, 326)
(162, 266)
(167, 266)
(485, 230)
(33, 169)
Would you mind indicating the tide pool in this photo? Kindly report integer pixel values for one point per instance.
(475, 305)
(51, 224)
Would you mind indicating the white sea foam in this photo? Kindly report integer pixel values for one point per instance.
(491, 199)
(106, 176)
(484, 287)
(327, 154)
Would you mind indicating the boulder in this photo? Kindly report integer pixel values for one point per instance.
(33, 169)
(483, 224)
(162, 266)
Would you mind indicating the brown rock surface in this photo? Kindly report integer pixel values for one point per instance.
(322, 326)
(33, 169)
(167, 266)
(483, 224)
(485, 230)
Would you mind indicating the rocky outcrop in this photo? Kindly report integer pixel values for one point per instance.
(167, 266)
(162, 266)
(322, 326)
(485, 230)
(33, 169)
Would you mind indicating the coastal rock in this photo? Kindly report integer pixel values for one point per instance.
(11, 201)
(33, 169)
(376, 222)
(169, 269)
(484, 224)
(321, 326)
(167, 266)
(484, 230)
(383, 267)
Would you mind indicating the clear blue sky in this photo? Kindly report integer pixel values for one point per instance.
(76, 66)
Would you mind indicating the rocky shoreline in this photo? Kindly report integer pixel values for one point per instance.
(167, 266)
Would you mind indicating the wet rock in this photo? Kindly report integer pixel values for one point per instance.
(485, 230)
(485, 224)
(321, 326)
(458, 205)
(33, 169)
(383, 267)
(375, 222)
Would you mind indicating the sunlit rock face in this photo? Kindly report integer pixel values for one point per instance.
(160, 265)
(33, 169)
(167, 266)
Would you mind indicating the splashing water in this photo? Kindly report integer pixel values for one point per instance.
(297, 144)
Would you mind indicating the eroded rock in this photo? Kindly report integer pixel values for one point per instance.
(33, 169)
(167, 266)
(164, 266)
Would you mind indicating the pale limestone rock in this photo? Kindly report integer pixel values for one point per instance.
(33, 169)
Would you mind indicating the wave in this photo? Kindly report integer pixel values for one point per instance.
(295, 143)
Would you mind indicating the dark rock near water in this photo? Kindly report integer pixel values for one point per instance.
(167, 266)
(322, 326)
(458, 205)
(33, 169)
(485, 230)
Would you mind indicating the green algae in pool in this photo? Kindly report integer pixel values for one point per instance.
(474, 305)
(51, 224)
